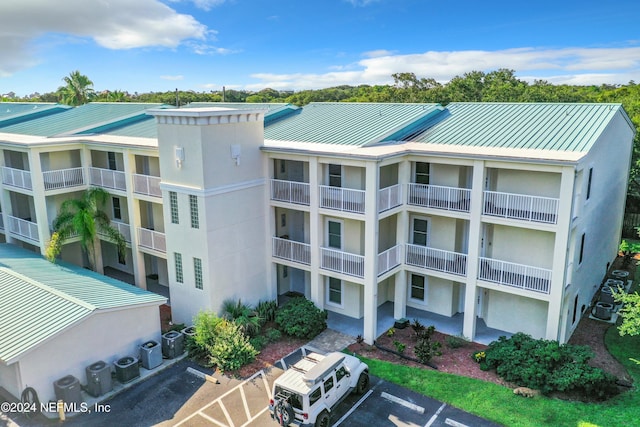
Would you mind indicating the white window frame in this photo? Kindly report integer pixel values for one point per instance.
(425, 290)
(414, 173)
(412, 230)
(328, 292)
(194, 207)
(111, 155)
(116, 201)
(339, 221)
(173, 207)
(198, 273)
(179, 267)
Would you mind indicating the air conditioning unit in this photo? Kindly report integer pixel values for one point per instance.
(620, 274)
(189, 331)
(603, 310)
(606, 295)
(172, 344)
(127, 369)
(150, 355)
(98, 379)
(68, 390)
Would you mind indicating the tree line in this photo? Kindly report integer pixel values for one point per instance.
(500, 85)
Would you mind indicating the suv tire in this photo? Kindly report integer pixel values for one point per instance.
(363, 383)
(283, 411)
(323, 420)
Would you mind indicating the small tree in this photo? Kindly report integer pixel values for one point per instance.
(300, 318)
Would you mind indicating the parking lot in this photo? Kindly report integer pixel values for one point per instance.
(183, 396)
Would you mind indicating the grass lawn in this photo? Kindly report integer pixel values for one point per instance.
(499, 404)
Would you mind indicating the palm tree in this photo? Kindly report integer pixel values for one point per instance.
(84, 218)
(78, 89)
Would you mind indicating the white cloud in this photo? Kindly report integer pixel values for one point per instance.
(113, 24)
(361, 2)
(565, 65)
(202, 4)
(172, 78)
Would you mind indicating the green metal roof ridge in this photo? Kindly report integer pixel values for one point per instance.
(24, 116)
(117, 123)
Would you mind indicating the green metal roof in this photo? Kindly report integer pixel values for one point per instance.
(80, 119)
(39, 299)
(355, 124)
(18, 112)
(539, 126)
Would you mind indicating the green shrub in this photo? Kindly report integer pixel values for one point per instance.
(454, 341)
(258, 342)
(547, 366)
(426, 349)
(300, 318)
(205, 324)
(400, 347)
(243, 315)
(272, 335)
(267, 310)
(231, 349)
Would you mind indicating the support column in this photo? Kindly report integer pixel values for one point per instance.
(270, 231)
(315, 232)
(559, 266)
(371, 253)
(402, 236)
(474, 251)
(5, 205)
(39, 200)
(133, 206)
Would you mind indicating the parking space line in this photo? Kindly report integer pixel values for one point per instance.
(244, 401)
(353, 408)
(454, 423)
(435, 416)
(226, 414)
(213, 420)
(402, 402)
(267, 386)
(266, 408)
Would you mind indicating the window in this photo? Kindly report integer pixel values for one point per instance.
(340, 373)
(420, 231)
(334, 229)
(328, 384)
(422, 173)
(178, 262)
(417, 291)
(581, 249)
(197, 270)
(173, 203)
(334, 291)
(285, 271)
(575, 309)
(117, 213)
(283, 220)
(111, 160)
(335, 175)
(314, 396)
(193, 204)
(589, 183)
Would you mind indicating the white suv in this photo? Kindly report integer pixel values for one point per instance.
(308, 391)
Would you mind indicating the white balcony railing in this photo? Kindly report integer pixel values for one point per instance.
(520, 206)
(389, 197)
(152, 239)
(290, 191)
(147, 185)
(389, 259)
(23, 228)
(291, 250)
(516, 275)
(63, 178)
(342, 262)
(123, 228)
(16, 178)
(436, 259)
(439, 197)
(342, 199)
(107, 178)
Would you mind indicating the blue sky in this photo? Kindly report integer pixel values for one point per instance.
(201, 45)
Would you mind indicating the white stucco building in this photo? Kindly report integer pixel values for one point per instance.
(506, 213)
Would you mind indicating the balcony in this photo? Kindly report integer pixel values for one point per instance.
(389, 198)
(516, 275)
(439, 197)
(107, 178)
(389, 259)
(521, 207)
(342, 199)
(436, 259)
(152, 239)
(342, 262)
(16, 178)
(1, 222)
(24, 228)
(123, 228)
(147, 185)
(291, 250)
(63, 178)
(290, 191)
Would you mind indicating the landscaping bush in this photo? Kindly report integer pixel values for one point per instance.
(272, 335)
(243, 315)
(454, 341)
(205, 324)
(425, 349)
(547, 366)
(231, 349)
(267, 310)
(300, 318)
